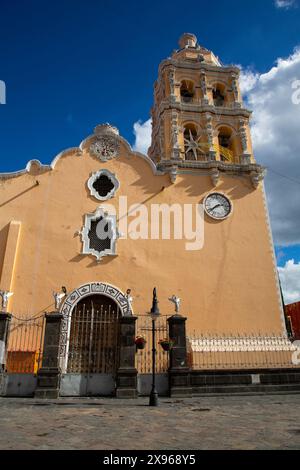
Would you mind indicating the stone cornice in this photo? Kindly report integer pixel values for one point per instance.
(230, 168)
(200, 108)
(189, 64)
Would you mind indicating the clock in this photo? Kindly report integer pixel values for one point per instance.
(217, 206)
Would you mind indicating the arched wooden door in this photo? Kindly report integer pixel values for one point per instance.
(93, 348)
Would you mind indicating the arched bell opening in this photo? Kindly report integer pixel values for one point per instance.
(228, 145)
(187, 91)
(219, 95)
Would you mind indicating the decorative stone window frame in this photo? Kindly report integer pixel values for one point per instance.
(89, 218)
(109, 175)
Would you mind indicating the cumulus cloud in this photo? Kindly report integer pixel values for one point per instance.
(142, 132)
(285, 4)
(276, 140)
(248, 80)
(290, 281)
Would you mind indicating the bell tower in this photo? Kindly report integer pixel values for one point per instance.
(198, 118)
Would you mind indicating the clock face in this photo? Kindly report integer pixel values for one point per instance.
(217, 206)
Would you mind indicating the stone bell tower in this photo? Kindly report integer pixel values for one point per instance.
(198, 118)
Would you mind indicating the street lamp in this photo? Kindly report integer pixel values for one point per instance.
(155, 313)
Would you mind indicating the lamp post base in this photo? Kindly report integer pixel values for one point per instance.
(153, 399)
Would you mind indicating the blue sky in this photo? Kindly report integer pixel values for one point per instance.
(69, 65)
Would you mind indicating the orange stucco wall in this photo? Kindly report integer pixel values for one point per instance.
(227, 287)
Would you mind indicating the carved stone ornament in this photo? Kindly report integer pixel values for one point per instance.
(256, 178)
(173, 174)
(107, 145)
(215, 176)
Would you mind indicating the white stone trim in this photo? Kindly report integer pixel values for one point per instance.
(89, 218)
(250, 344)
(97, 175)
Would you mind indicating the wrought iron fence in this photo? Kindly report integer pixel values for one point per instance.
(144, 356)
(25, 344)
(241, 352)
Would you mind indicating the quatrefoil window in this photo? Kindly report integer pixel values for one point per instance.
(103, 185)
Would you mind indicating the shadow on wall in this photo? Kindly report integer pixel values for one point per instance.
(20, 194)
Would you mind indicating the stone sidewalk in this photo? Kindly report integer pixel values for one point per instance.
(223, 422)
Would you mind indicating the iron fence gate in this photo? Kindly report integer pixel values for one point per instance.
(93, 349)
(25, 344)
(144, 356)
(93, 340)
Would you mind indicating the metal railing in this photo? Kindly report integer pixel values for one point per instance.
(212, 352)
(25, 344)
(144, 356)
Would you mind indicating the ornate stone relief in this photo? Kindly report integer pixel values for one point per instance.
(204, 86)
(234, 85)
(173, 174)
(107, 144)
(172, 84)
(174, 136)
(215, 176)
(243, 135)
(257, 177)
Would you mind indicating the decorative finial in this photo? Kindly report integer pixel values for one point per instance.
(187, 40)
(154, 309)
(5, 295)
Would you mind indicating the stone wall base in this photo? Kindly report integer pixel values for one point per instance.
(126, 383)
(48, 383)
(179, 383)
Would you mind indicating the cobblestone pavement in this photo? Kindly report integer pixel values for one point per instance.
(224, 422)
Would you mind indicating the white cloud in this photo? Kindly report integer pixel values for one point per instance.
(276, 141)
(248, 80)
(142, 132)
(290, 281)
(285, 4)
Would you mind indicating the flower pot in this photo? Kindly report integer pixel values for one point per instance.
(166, 345)
(140, 345)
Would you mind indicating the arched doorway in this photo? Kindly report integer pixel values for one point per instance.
(91, 353)
(93, 336)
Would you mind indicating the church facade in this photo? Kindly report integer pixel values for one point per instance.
(82, 230)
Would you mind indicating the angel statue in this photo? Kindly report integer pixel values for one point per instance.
(129, 299)
(5, 295)
(58, 296)
(175, 300)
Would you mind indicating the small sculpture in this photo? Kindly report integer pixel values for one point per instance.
(5, 295)
(58, 296)
(129, 299)
(176, 301)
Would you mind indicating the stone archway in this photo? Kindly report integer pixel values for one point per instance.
(77, 296)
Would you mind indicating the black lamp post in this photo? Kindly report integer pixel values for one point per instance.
(154, 312)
